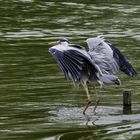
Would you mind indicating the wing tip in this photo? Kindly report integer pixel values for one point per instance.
(133, 74)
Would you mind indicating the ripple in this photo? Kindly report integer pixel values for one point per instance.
(105, 115)
(36, 102)
(74, 114)
(24, 33)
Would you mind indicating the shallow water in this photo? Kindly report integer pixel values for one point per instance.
(35, 100)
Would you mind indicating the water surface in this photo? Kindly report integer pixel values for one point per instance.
(35, 100)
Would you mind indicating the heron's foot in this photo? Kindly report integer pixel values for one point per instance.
(87, 105)
(87, 117)
(95, 112)
(96, 104)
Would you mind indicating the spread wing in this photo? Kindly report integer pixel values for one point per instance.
(75, 63)
(102, 55)
(106, 63)
(121, 60)
(108, 58)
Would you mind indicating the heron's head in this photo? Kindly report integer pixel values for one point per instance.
(94, 42)
(63, 40)
(59, 46)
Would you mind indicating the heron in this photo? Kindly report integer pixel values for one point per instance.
(98, 65)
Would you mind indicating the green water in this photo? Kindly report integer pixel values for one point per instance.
(36, 103)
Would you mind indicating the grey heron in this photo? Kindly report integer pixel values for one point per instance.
(82, 67)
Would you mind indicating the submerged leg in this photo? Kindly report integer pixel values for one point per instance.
(89, 97)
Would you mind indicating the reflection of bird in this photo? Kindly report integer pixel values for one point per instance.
(97, 65)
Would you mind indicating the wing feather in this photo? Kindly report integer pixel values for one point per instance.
(73, 62)
(108, 58)
(70, 69)
(123, 63)
(77, 63)
(63, 68)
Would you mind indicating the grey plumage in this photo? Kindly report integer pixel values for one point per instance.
(99, 64)
(73, 60)
(77, 64)
(108, 58)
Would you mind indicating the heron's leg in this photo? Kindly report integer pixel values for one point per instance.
(89, 97)
(97, 100)
(96, 104)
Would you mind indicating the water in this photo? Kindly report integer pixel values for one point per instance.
(35, 100)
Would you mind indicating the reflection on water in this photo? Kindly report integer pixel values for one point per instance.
(35, 100)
